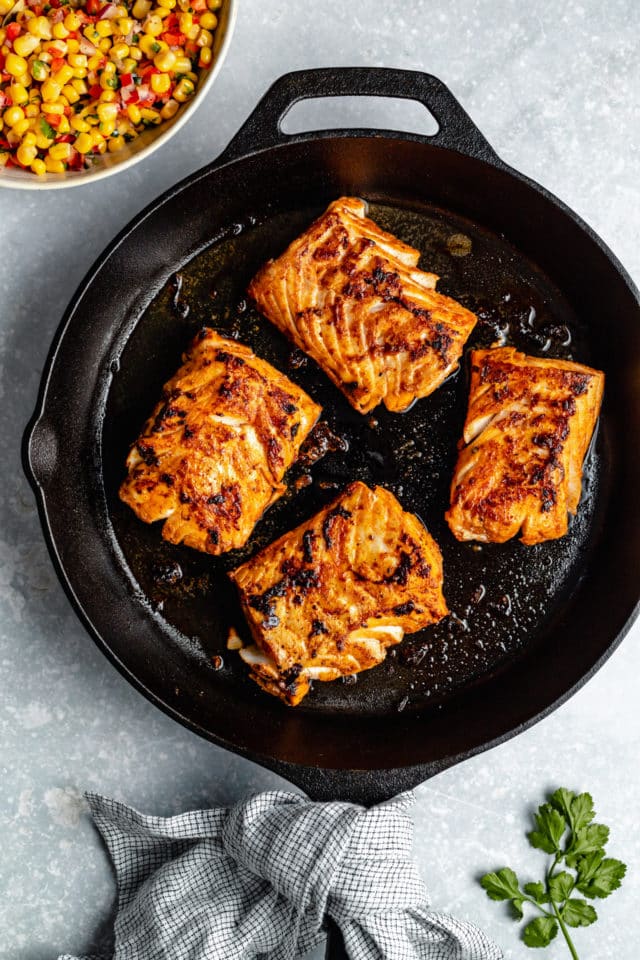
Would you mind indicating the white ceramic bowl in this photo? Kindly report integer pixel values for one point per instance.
(147, 142)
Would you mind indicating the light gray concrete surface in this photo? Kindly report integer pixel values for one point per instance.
(554, 87)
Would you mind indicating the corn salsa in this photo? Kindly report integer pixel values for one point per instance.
(80, 78)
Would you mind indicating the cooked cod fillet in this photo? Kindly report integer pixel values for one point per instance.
(349, 294)
(211, 457)
(328, 598)
(528, 428)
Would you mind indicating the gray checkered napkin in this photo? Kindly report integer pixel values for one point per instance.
(258, 879)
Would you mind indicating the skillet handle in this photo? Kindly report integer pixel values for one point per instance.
(263, 128)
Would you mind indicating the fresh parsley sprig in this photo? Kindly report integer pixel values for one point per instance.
(565, 830)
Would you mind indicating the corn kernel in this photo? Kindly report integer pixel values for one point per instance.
(128, 65)
(39, 70)
(104, 28)
(153, 26)
(60, 151)
(214, 4)
(105, 45)
(38, 167)
(192, 33)
(18, 94)
(26, 154)
(109, 69)
(32, 110)
(102, 147)
(184, 4)
(208, 21)
(29, 138)
(149, 46)
(185, 22)
(53, 166)
(106, 127)
(170, 109)
(184, 89)
(6, 6)
(73, 45)
(116, 143)
(50, 90)
(91, 33)
(77, 60)
(206, 56)
(83, 143)
(160, 83)
(97, 138)
(63, 75)
(13, 115)
(120, 50)
(3, 35)
(57, 108)
(135, 54)
(57, 48)
(80, 73)
(205, 38)
(21, 127)
(150, 115)
(39, 27)
(124, 25)
(72, 21)
(141, 9)
(183, 65)
(63, 126)
(108, 96)
(94, 62)
(15, 65)
(133, 112)
(59, 31)
(165, 61)
(79, 85)
(107, 111)
(162, 12)
(79, 124)
(71, 94)
(42, 142)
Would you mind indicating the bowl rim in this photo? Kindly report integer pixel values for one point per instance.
(91, 176)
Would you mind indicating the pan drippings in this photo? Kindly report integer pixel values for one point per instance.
(502, 597)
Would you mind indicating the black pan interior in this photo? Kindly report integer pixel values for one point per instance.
(548, 614)
(502, 598)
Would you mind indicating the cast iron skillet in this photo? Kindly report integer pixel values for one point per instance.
(530, 625)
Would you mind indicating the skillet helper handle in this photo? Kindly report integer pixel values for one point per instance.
(263, 128)
(335, 948)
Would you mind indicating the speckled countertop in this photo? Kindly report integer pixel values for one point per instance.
(554, 87)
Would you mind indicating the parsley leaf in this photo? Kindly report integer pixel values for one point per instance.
(604, 879)
(502, 885)
(537, 892)
(561, 886)
(565, 830)
(540, 932)
(551, 826)
(578, 913)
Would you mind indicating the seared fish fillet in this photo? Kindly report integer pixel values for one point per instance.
(211, 457)
(349, 295)
(328, 598)
(528, 428)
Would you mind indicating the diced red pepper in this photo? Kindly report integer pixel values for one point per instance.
(53, 119)
(57, 64)
(2, 59)
(130, 96)
(199, 5)
(55, 3)
(173, 39)
(65, 138)
(126, 79)
(77, 161)
(13, 30)
(95, 91)
(93, 7)
(148, 71)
